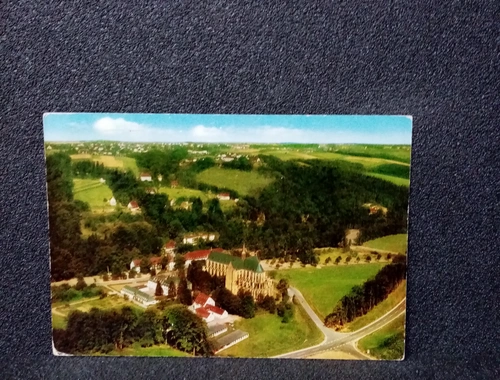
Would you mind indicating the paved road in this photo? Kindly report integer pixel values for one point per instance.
(334, 339)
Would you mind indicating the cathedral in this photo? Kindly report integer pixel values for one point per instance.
(241, 273)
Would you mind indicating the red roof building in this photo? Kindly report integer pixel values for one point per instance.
(201, 299)
(133, 205)
(215, 309)
(201, 254)
(137, 262)
(155, 260)
(202, 312)
(170, 245)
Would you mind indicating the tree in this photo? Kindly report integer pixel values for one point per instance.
(268, 303)
(368, 258)
(247, 304)
(347, 259)
(159, 289)
(179, 263)
(172, 290)
(338, 260)
(80, 284)
(183, 292)
(283, 287)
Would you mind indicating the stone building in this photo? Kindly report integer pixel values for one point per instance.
(241, 273)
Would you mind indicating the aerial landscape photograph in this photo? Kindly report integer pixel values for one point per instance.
(251, 236)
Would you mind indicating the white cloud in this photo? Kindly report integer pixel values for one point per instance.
(110, 126)
(202, 131)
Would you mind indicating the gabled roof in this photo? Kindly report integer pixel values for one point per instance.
(215, 309)
(155, 260)
(133, 204)
(224, 194)
(145, 174)
(201, 299)
(201, 254)
(170, 244)
(137, 262)
(202, 312)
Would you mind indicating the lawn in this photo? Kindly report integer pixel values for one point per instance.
(324, 287)
(393, 243)
(158, 350)
(58, 321)
(378, 311)
(268, 336)
(243, 182)
(178, 192)
(388, 343)
(109, 302)
(126, 163)
(93, 192)
(395, 180)
(129, 163)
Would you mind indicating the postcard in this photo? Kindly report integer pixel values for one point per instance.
(252, 236)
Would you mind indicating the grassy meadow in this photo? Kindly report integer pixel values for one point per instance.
(268, 336)
(110, 302)
(394, 243)
(157, 350)
(388, 342)
(93, 192)
(244, 183)
(127, 163)
(324, 287)
(378, 311)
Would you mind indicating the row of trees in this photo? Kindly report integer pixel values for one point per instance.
(115, 329)
(361, 299)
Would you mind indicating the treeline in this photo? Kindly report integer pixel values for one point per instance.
(89, 169)
(395, 170)
(161, 162)
(115, 329)
(361, 299)
(66, 293)
(240, 163)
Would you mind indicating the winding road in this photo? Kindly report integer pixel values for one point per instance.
(333, 339)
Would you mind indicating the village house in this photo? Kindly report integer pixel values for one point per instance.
(133, 206)
(244, 273)
(150, 190)
(112, 201)
(160, 178)
(169, 247)
(155, 262)
(138, 295)
(102, 180)
(204, 307)
(146, 177)
(224, 196)
(174, 184)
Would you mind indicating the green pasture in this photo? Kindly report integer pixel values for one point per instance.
(388, 343)
(93, 192)
(110, 302)
(324, 287)
(243, 182)
(395, 180)
(268, 336)
(393, 243)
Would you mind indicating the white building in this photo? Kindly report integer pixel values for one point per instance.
(193, 238)
(138, 296)
(133, 206)
(224, 196)
(146, 177)
(112, 201)
(136, 265)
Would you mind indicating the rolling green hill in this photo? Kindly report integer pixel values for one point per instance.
(243, 182)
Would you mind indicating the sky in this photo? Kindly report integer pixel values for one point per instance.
(317, 129)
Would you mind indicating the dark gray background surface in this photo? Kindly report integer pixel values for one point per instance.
(437, 61)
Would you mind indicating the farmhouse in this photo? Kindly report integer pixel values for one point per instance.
(155, 262)
(241, 273)
(137, 295)
(133, 206)
(112, 201)
(174, 184)
(146, 177)
(224, 196)
(201, 254)
(193, 238)
(204, 307)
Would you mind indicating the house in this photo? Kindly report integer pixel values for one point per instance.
(112, 201)
(146, 177)
(193, 238)
(138, 295)
(224, 196)
(102, 180)
(155, 262)
(169, 247)
(202, 300)
(217, 312)
(227, 159)
(136, 264)
(160, 178)
(201, 254)
(174, 184)
(133, 206)
(150, 190)
(204, 314)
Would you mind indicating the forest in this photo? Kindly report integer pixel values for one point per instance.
(361, 299)
(309, 205)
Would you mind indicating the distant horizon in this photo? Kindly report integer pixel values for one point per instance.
(228, 129)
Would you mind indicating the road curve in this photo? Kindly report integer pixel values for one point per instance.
(334, 339)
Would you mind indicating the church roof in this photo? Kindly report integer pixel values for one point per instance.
(250, 263)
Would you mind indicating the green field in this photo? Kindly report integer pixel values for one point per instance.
(268, 336)
(378, 311)
(243, 182)
(58, 321)
(93, 192)
(127, 163)
(395, 180)
(159, 350)
(110, 302)
(323, 288)
(393, 243)
(178, 192)
(388, 342)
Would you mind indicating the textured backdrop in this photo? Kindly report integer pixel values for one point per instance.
(437, 61)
